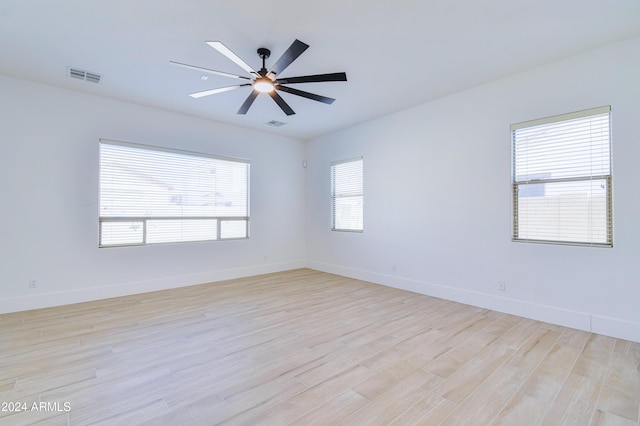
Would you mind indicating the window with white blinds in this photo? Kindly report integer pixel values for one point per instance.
(562, 179)
(155, 195)
(347, 195)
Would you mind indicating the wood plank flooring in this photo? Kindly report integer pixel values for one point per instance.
(306, 348)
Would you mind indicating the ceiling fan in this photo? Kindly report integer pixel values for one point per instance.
(264, 81)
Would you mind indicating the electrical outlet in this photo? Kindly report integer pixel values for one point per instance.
(33, 284)
(502, 286)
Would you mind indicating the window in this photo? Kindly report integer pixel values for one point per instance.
(347, 195)
(155, 195)
(561, 169)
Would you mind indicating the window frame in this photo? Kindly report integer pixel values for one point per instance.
(335, 196)
(607, 178)
(144, 220)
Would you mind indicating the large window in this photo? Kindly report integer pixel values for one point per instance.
(347, 195)
(562, 179)
(154, 195)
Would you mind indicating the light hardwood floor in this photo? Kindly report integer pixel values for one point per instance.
(307, 348)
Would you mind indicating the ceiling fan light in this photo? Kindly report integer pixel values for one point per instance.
(264, 85)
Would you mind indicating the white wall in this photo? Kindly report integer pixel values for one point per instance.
(49, 205)
(438, 199)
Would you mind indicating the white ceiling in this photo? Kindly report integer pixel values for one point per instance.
(396, 54)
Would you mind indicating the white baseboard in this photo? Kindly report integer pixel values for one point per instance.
(47, 300)
(607, 326)
(613, 327)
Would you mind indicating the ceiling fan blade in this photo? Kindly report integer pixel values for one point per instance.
(218, 90)
(291, 54)
(336, 76)
(247, 103)
(208, 71)
(281, 103)
(306, 94)
(229, 54)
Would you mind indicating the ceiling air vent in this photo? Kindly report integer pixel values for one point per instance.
(84, 75)
(275, 123)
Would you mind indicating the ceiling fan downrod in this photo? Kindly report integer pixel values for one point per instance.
(264, 53)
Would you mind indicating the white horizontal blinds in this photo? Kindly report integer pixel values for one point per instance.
(150, 195)
(562, 179)
(180, 230)
(118, 233)
(347, 195)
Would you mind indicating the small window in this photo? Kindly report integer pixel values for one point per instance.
(561, 176)
(154, 195)
(347, 195)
